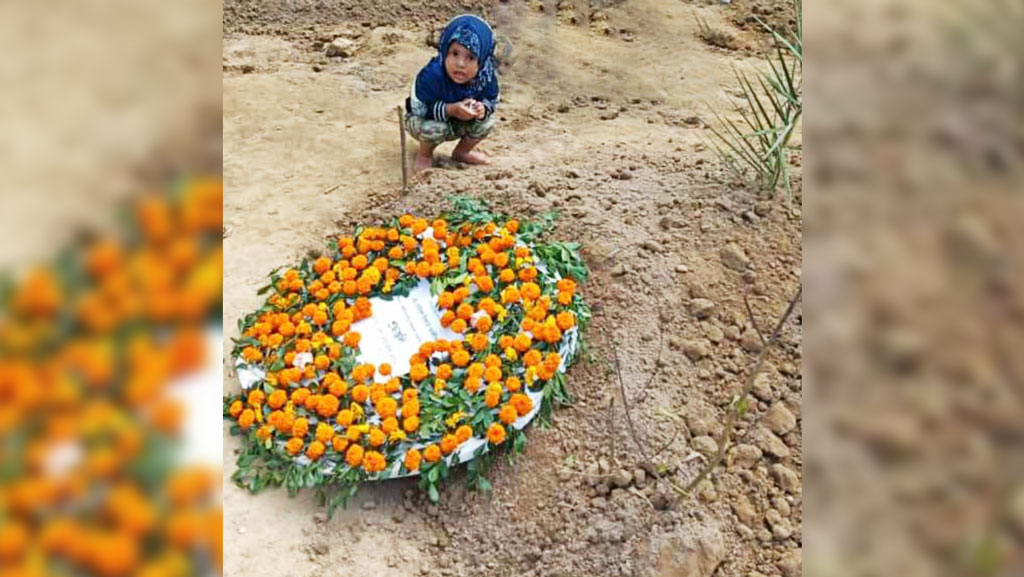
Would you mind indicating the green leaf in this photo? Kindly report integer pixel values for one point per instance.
(433, 494)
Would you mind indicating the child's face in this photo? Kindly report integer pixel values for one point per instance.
(460, 64)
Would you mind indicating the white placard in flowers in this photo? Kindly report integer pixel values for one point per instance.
(398, 327)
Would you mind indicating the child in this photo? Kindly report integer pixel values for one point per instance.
(455, 95)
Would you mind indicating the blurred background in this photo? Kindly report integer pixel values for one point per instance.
(914, 375)
(110, 288)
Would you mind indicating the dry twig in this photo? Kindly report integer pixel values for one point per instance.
(748, 386)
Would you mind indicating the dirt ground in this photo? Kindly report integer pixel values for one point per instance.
(603, 118)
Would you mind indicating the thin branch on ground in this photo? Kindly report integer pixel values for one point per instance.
(625, 401)
(753, 320)
(735, 409)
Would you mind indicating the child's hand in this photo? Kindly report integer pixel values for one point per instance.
(461, 110)
(478, 108)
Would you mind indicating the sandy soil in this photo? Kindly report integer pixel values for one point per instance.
(603, 119)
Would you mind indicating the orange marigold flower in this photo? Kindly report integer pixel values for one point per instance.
(389, 425)
(444, 372)
(484, 283)
(410, 424)
(410, 394)
(492, 398)
(377, 437)
(324, 432)
(352, 339)
(412, 459)
(353, 433)
(236, 409)
(448, 444)
(345, 418)
(293, 446)
(432, 453)
(277, 399)
(473, 384)
(459, 326)
(492, 374)
(522, 342)
(411, 408)
(354, 455)
(530, 291)
(300, 427)
(419, 372)
(246, 419)
(387, 407)
(522, 403)
(361, 392)
(460, 358)
(532, 358)
(463, 433)
(507, 414)
(327, 406)
(496, 434)
(384, 369)
(316, 450)
(483, 324)
(513, 384)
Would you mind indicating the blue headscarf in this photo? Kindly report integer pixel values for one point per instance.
(433, 88)
(477, 36)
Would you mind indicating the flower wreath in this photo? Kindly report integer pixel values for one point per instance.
(312, 414)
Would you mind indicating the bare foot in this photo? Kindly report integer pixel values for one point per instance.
(422, 162)
(472, 157)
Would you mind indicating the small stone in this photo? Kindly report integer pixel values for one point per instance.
(706, 445)
(564, 475)
(768, 442)
(782, 506)
(700, 420)
(781, 527)
(706, 491)
(763, 208)
(321, 548)
(732, 333)
(744, 456)
(369, 505)
(317, 68)
(602, 489)
(702, 308)
(593, 474)
(745, 511)
(342, 47)
(667, 222)
(696, 350)
(622, 478)
(733, 257)
(714, 334)
(619, 270)
(791, 564)
(763, 387)
(751, 341)
(764, 535)
(603, 466)
(682, 268)
(639, 477)
(675, 342)
(779, 419)
(320, 518)
(622, 174)
(660, 501)
(789, 369)
(789, 481)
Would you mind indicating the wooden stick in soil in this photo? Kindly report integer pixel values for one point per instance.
(401, 130)
(748, 386)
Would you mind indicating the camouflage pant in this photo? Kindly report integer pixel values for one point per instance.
(437, 132)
